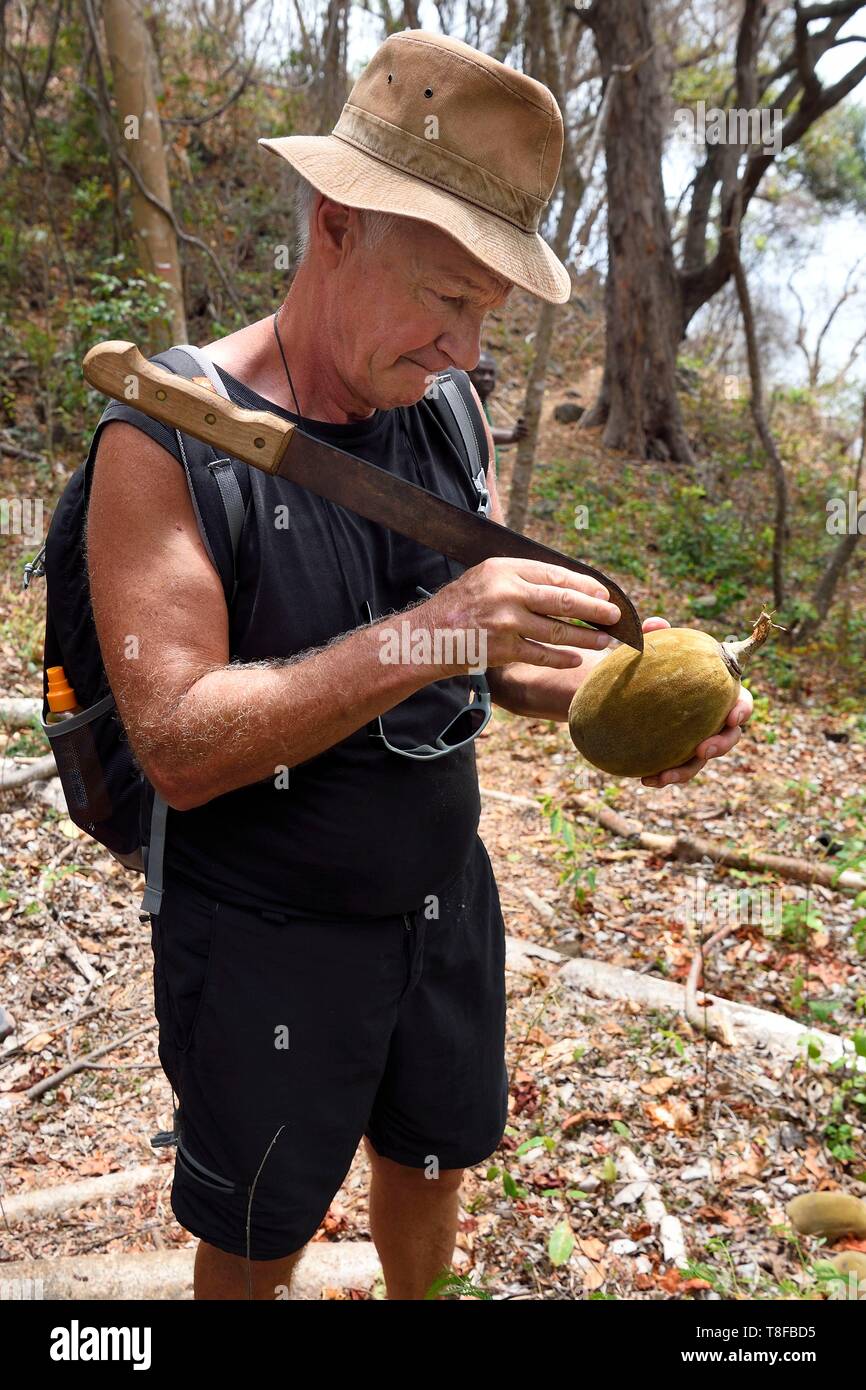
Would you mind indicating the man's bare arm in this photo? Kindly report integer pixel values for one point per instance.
(199, 725)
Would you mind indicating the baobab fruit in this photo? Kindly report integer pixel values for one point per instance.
(850, 1262)
(828, 1214)
(639, 713)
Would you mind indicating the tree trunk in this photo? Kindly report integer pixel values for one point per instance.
(638, 403)
(573, 184)
(130, 53)
(333, 81)
(836, 565)
(521, 477)
(762, 424)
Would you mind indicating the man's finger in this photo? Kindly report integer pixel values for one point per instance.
(742, 710)
(550, 601)
(540, 572)
(556, 633)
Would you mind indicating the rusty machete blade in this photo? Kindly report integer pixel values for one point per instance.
(276, 446)
(403, 506)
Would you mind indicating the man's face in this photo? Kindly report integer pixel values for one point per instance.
(484, 376)
(409, 307)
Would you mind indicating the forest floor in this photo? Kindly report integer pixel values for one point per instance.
(727, 1135)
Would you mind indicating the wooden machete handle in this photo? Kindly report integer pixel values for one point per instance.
(119, 370)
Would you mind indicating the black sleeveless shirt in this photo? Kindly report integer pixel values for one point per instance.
(357, 830)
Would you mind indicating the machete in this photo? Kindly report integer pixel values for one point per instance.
(276, 446)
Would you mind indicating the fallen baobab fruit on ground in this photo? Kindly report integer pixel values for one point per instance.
(851, 1262)
(828, 1214)
(639, 713)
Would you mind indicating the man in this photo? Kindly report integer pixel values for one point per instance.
(483, 378)
(329, 949)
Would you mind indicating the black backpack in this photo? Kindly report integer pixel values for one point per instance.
(107, 794)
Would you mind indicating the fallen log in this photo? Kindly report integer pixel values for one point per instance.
(749, 1026)
(15, 773)
(18, 710)
(695, 847)
(168, 1274)
(52, 1201)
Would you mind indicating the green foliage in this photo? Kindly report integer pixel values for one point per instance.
(29, 742)
(119, 301)
(696, 537)
(457, 1285)
(830, 159)
(116, 304)
(618, 515)
(90, 200)
(572, 852)
(799, 920)
(838, 1140)
(560, 1244)
(669, 1040)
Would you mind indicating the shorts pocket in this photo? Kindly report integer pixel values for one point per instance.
(185, 950)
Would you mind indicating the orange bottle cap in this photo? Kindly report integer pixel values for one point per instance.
(61, 696)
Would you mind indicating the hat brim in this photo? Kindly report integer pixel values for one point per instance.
(360, 180)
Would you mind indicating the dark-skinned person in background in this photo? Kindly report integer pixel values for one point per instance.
(483, 378)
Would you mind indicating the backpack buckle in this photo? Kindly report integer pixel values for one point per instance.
(480, 482)
(34, 567)
(163, 1139)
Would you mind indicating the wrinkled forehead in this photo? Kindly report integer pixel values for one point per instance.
(432, 252)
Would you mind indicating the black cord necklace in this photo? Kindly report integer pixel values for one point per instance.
(328, 506)
(286, 365)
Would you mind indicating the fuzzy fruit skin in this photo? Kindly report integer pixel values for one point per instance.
(639, 713)
(828, 1214)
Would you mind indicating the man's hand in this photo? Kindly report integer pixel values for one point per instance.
(713, 747)
(522, 607)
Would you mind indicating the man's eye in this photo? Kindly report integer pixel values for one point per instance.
(448, 298)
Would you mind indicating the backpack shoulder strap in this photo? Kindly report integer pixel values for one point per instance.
(454, 388)
(234, 495)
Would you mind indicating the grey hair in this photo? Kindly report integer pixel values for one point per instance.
(376, 225)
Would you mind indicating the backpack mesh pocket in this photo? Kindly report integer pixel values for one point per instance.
(94, 771)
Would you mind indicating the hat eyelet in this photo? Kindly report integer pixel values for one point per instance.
(390, 77)
(428, 92)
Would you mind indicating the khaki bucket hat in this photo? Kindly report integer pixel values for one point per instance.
(436, 130)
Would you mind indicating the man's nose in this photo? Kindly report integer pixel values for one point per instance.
(462, 341)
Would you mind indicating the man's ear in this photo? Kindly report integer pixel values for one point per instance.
(332, 222)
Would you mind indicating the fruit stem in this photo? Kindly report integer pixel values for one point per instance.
(740, 652)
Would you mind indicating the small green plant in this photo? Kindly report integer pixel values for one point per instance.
(28, 743)
(512, 1188)
(571, 853)
(608, 1170)
(838, 1140)
(539, 1141)
(669, 1041)
(560, 1245)
(833, 1284)
(456, 1285)
(799, 921)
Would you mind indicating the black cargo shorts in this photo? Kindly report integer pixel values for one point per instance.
(287, 1037)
